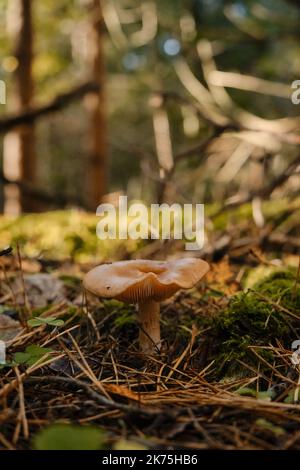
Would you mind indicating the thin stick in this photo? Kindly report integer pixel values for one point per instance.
(5, 442)
(25, 298)
(22, 412)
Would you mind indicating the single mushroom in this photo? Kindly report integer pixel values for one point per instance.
(145, 283)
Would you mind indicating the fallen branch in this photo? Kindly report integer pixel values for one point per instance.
(265, 192)
(58, 103)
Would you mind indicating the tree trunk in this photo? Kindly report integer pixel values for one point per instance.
(97, 158)
(19, 148)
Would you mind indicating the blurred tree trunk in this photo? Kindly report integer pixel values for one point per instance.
(24, 82)
(19, 153)
(97, 157)
(1, 196)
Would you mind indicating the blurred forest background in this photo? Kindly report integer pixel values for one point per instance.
(164, 101)
(186, 101)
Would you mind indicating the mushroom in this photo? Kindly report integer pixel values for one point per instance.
(145, 283)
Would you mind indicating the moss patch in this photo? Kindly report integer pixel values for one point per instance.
(257, 317)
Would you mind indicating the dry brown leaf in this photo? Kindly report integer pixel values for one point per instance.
(221, 277)
(122, 391)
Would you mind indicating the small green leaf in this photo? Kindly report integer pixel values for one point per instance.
(35, 350)
(33, 322)
(55, 321)
(21, 358)
(69, 437)
(38, 321)
(31, 355)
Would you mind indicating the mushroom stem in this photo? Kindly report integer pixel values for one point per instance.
(148, 317)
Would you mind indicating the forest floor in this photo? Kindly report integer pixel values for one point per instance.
(227, 376)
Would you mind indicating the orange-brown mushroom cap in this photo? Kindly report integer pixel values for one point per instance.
(141, 280)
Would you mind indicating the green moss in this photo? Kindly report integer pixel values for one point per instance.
(60, 235)
(270, 209)
(124, 314)
(280, 287)
(125, 317)
(72, 234)
(252, 318)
